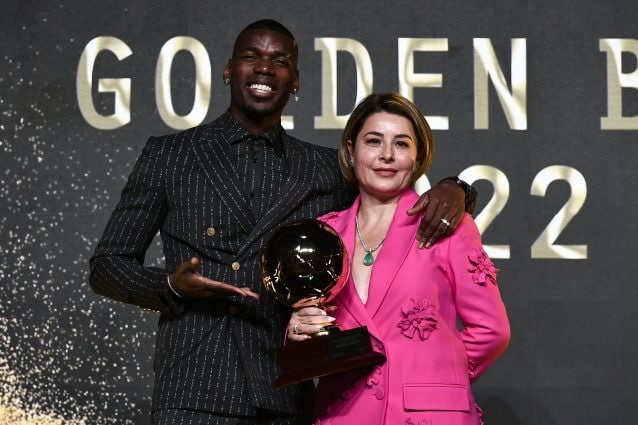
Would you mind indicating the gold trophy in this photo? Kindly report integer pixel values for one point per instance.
(304, 264)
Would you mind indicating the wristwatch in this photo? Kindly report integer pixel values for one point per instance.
(470, 193)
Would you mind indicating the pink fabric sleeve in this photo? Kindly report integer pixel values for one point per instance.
(478, 302)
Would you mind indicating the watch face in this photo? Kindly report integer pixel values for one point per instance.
(465, 186)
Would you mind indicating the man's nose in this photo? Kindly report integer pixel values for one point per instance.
(263, 66)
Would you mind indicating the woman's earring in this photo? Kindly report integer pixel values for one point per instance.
(294, 93)
(226, 80)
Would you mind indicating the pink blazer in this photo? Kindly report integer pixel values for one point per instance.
(415, 297)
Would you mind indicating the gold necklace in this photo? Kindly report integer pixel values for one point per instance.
(368, 259)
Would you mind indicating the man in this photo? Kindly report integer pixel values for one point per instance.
(214, 192)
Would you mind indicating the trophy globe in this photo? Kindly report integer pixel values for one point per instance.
(303, 264)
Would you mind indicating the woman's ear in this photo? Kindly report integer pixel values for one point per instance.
(350, 150)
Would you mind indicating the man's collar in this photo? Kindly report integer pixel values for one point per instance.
(236, 132)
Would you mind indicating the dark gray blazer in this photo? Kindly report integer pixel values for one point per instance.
(219, 354)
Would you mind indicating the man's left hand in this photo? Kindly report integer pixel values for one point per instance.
(443, 207)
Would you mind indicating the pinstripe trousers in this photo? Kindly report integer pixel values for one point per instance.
(193, 417)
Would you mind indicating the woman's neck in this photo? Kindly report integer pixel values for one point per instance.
(373, 222)
(374, 211)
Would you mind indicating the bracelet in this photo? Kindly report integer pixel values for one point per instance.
(470, 193)
(168, 280)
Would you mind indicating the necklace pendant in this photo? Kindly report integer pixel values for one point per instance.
(368, 259)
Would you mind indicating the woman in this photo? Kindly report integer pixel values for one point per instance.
(408, 298)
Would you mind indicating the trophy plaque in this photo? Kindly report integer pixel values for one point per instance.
(304, 264)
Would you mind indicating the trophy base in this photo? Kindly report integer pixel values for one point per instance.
(325, 355)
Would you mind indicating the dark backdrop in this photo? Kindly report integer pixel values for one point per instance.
(566, 99)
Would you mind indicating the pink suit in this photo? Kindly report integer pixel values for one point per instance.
(415, 297)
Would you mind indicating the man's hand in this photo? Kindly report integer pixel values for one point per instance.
(188, 282)
(444, 205)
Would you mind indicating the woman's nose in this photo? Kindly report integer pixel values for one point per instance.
(387, 152)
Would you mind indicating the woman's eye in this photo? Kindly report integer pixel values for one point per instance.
(372, 141)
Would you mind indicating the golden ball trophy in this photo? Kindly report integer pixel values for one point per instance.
(304, 264)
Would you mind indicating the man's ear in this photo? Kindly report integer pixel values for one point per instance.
(226, 74)
(295, 84)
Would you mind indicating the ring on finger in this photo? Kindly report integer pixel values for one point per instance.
(446, 222)
(295, 329)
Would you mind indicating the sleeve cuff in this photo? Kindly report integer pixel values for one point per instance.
(168, 281)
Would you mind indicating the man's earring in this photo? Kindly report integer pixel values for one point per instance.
(226, 80)
(294, 93)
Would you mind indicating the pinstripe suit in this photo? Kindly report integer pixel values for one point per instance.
(215, 354)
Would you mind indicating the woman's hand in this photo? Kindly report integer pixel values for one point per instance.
(307, 321)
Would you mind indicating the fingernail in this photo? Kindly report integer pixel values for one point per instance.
(330, 318)
(421, 244)
(428, 245)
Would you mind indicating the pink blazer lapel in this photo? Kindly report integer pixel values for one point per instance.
(348, 298)
(399, 239)
(401, 236)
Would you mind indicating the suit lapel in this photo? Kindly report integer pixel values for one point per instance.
(399, 239)
(300, 182)
(349, 299)
(212, 151)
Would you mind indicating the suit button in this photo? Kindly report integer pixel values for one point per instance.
(210, 231)
(379, 394)
(235, 266)
(232, 310)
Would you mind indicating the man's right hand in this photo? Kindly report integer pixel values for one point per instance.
(188, 282)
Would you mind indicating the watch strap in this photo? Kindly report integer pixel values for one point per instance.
(470, 193)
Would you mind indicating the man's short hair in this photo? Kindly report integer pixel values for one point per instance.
(271, 25)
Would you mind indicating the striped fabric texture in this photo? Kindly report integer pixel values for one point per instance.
(216, 354)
